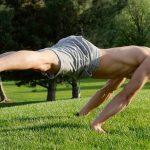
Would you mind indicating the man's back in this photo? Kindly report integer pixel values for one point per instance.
(121, 61)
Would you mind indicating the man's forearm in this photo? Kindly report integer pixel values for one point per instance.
(101, 95)
(95, 101)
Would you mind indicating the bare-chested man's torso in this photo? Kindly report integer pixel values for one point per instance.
(121, 61)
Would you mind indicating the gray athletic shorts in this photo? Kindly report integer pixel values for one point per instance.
(78, 57)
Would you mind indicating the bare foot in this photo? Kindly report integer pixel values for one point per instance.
(98, 129)
(6, 101)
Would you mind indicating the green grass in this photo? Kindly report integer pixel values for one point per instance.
(31, 123)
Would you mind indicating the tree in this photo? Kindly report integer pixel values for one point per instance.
(6, 29)
(98, 21)
(37, 24)
(75, 89)
(134, 23)
(32, 78)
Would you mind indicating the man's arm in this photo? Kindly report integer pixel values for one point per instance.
(121, 101)
(101, 95)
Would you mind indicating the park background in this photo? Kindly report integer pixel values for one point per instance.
(32, 123)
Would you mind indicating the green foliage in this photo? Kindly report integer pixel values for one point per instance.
(63, 18)
(35, 24)
(116, 23)
(134, 23)
(38, 24)
(6, 29)
(98, 21)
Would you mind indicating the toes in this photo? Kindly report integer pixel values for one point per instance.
(6, 101)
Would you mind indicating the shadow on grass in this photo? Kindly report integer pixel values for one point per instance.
(147, 86)
(92, 87)
(24, 119)
(61, 125)
(19, 103)
(35, 119)
(2, 105)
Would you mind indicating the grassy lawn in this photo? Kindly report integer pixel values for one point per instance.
(31, 123)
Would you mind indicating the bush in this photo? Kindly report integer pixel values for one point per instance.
(133, 23)
(6, 29)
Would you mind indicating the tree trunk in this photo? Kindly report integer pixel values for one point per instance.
(75, 89)
(51, 94)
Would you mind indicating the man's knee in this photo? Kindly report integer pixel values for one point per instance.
(42, 67)
(49, 61)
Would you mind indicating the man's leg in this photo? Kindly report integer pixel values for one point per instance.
(6, 53)
(22, 60)
(4, 98)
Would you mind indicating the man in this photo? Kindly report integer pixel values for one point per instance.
(77, 57)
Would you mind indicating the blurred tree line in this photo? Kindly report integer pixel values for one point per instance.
(35, 24)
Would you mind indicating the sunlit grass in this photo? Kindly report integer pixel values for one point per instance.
(32, 123)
